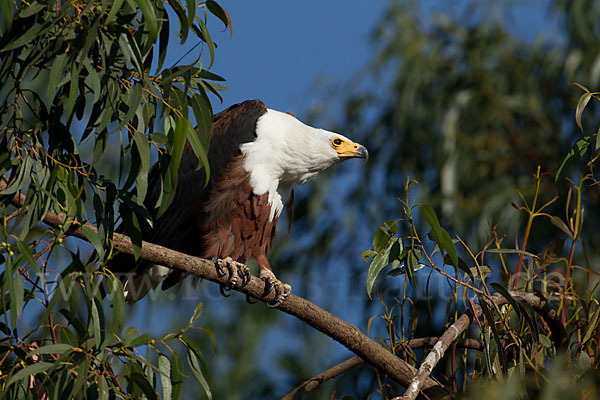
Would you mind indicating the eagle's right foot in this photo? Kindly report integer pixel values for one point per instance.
(282, 290)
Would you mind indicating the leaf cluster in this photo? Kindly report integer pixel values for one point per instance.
(85, 83)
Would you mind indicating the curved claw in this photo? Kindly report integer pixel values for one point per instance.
(268, 288)
(249, 300)
(246, 276)
(220, 270)
(276, 304)
(224, 289)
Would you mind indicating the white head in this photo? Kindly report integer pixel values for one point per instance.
(288, 152)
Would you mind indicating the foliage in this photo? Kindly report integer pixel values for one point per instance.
(519, 349)
(470, 109)
(79, 79)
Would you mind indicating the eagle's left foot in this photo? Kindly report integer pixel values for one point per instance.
(282, 290)
(239, 274)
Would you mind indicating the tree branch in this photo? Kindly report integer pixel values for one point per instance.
(343, 332)
(338, 369)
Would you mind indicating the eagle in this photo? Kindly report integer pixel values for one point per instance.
(256, 156)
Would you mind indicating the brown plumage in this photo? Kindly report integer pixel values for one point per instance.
(255, 156)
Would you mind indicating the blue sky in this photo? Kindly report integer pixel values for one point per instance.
(282, 52)
(280, 48)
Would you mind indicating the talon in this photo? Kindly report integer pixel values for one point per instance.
(282, 290)
(224, 290)
(239, 274)
(220, 271)
(249, 300)
(247, 277)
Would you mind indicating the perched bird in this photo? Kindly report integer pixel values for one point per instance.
(256, 156)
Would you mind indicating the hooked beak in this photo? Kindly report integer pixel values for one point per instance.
(353, 150)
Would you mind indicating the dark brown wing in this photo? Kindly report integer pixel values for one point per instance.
(177, 228)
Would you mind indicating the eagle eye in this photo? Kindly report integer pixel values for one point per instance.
(336, 142)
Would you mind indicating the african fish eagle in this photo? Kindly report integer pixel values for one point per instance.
(256, 156)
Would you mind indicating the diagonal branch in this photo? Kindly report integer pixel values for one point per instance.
(343, 332)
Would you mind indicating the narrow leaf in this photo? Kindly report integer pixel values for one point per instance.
(58, 348)
(220, 13)
(556, 221)
(176, 375)
(164, 368)
(195, 366)
(30, 370)
(502, 290)
(149, 18)
(199, 151)
(577, 151)
(440, 236)
(492, 323)
(512, 251)
(581, 104)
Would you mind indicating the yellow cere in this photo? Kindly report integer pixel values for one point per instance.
(344, 148)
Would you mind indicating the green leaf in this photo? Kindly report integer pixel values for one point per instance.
(191, 8)
(140, 340)
(95, 322)
(94, 80)
(199, 151)
(577, 151)
(103, 390)
(149, 18)
(512, 251)
(591, 327)
(143, 149)
(170, 179)
(95, 239)
(118, 305)
(502, 290)
(379, 262)
(26, 252)
(6, 9)
(529, 315)
(439, 235)
(58, 348)
(163, 43)
(25, 38)
(384, 234)
(368, 254)
(72, 89)
(134, 101)
(182, 17)
(30, 370)
(583, 364)
(220, 13)
(57, 73)
(581, 104)
(176, 375)
(140, 381)
(16, 298)
(492, 323)
(194, 365)
(556, 221)
(164, 369)
(116, 6)
(207, 39)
